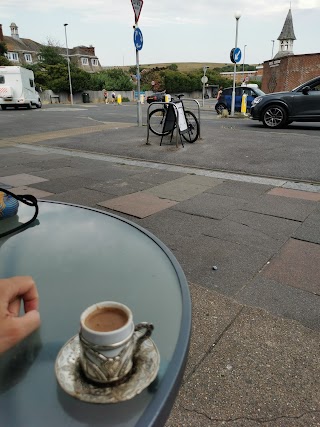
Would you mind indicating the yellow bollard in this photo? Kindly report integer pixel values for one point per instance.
(119, 99)
(244, 103)
(166, 98)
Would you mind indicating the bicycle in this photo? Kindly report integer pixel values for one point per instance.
(157, 120)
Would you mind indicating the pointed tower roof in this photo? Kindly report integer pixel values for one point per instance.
(287, 32)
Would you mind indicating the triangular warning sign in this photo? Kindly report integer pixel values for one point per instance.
(137, 6)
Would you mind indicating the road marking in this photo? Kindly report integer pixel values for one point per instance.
(44, 136)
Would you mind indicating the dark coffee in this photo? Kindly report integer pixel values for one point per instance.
(106, 319)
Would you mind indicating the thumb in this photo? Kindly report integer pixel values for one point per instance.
(27, 323)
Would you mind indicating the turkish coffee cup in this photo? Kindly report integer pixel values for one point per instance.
(109, 340)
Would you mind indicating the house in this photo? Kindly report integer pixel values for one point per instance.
(23, 52)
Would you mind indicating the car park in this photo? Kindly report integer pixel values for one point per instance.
(225, 99)
(279, 109)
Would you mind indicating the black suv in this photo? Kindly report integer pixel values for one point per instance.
(279, 109)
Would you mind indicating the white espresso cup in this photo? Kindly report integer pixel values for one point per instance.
(109, 340)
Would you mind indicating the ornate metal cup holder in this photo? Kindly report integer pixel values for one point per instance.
(72, 380)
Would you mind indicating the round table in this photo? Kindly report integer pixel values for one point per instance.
(79, 256)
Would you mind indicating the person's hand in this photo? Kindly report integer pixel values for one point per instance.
(13, 328)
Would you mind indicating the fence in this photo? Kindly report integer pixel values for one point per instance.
(48, 96)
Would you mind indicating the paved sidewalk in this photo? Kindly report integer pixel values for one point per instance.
(250, 249)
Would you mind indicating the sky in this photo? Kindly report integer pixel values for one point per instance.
(173, 30)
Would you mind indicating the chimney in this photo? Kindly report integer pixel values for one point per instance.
(14, 31)
(1, 33)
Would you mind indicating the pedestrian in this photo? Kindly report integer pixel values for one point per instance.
(219, 92)
(113, 97)
(14, 327)
(105, 94)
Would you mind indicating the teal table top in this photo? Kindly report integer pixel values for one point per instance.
(79, 256)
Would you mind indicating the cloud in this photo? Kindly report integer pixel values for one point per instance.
(177, 12)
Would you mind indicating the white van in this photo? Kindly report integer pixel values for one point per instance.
(17, 88)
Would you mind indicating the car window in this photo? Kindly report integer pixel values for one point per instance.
(249, 91)
(259, 92)
(239, 91)
(227, 91)
(315, 87)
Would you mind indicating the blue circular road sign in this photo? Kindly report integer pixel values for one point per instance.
(237, 55)
(138, 38)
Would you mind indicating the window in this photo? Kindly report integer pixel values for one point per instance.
(84, 61)
(227, 92)
(31, 82)
(28, 57)
(12, 56)
(314, 87)
(94, 62)
(2, 80)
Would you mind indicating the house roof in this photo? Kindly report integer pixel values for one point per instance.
(19, 44)
(287, 32)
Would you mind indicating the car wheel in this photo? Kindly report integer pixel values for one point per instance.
(274, 117)
(220, 107)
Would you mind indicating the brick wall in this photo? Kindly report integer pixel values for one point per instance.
(289, 72)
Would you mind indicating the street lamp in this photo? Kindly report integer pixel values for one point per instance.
(237, 15)
(244, 56)
(272, 49)
(204, 80)
(70, 84)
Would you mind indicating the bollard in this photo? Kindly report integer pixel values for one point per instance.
(166, 98)
(142, 99)
(119, 99)
(244, 103)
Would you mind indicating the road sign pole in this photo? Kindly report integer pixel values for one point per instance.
(233, 99)
(138, 42)
(139, 111)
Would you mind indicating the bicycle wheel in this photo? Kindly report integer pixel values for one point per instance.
(156, 121)
(193, 127)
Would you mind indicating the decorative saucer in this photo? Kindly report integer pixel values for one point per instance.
(72, 380)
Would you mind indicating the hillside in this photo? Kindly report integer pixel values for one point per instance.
(182, 66)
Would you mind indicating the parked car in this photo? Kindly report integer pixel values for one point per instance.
(224, 102)
(157, 97)
(279, 109)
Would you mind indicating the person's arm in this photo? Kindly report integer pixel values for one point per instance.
(13, 328)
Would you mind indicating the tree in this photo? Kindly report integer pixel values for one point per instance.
(173, 67)
(51, 72)
(3, 51)
(50, 55)
(117, 79)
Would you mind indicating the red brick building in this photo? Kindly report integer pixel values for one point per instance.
(287, 70)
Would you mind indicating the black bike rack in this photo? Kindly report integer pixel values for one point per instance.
(170, 121)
